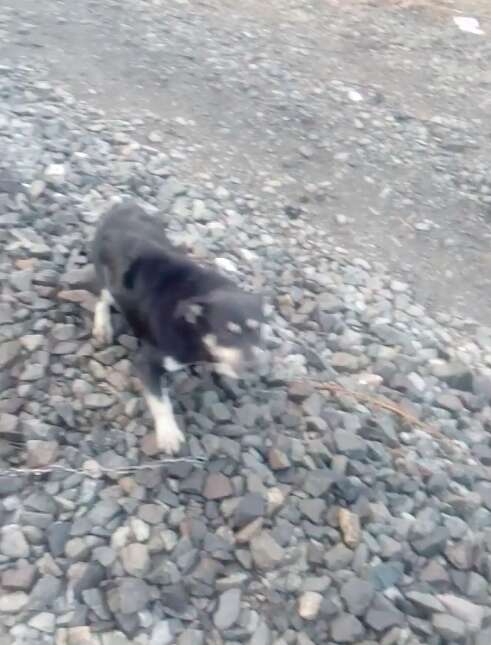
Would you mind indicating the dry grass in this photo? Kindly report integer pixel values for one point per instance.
(378, 403)
(409, 420)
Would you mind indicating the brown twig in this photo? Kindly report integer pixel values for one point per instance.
(390, 406)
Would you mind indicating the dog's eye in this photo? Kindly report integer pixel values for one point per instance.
(252, 324)
(234, 328)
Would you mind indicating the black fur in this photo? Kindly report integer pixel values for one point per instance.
(155, 288)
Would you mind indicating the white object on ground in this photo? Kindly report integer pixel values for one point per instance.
(468, 24)
(355, 96)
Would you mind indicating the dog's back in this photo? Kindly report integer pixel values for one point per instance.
(125, 234)
(145, 276)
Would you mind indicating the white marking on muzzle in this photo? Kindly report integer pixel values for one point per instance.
(228, 359)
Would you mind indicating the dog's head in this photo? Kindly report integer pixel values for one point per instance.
(229, 323)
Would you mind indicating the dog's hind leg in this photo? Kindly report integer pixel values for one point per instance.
(102, 329)
(169, 437)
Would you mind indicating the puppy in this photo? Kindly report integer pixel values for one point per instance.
(181, 313)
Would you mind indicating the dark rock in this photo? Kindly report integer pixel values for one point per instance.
(382, 429)
(103, 512)
(220, 413)
(350, 444)
(339, 557)
(250, 507)
(358, 595)
(386, 575)
(433, 544)
(176, 602)
(449, 402)
(9, 485)
(381, 620)
(298, 391)
(318, 482)
(94, 598)
(91, 577)
(346, 629)
(58, 534)
(314, 509)
(45, 592)
(130, 596)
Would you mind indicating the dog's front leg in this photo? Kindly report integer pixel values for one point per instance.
(102, 329)
(168, 435)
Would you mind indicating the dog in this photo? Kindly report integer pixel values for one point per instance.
(181, 313)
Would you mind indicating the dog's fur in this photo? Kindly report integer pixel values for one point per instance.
(181, 313)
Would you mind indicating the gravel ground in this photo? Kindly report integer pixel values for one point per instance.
(315, 515)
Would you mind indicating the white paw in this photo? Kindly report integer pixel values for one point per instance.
(102, 331)
(169, 437)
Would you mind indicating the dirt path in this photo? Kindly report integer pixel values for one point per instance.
(374, 118)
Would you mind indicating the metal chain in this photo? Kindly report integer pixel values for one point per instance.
(92, 468)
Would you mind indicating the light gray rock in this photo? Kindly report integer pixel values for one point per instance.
(266, 552)
(136, 559)
(346, 629)
(228, 609)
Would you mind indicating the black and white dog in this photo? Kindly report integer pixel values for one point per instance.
(181, 313)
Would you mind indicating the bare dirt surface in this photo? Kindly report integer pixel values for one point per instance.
(264, 92)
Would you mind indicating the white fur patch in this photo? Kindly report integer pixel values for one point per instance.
(168, 435)
(171, 365)
(102, 329)
(234, 328)
(228, 359)
(210, 340)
